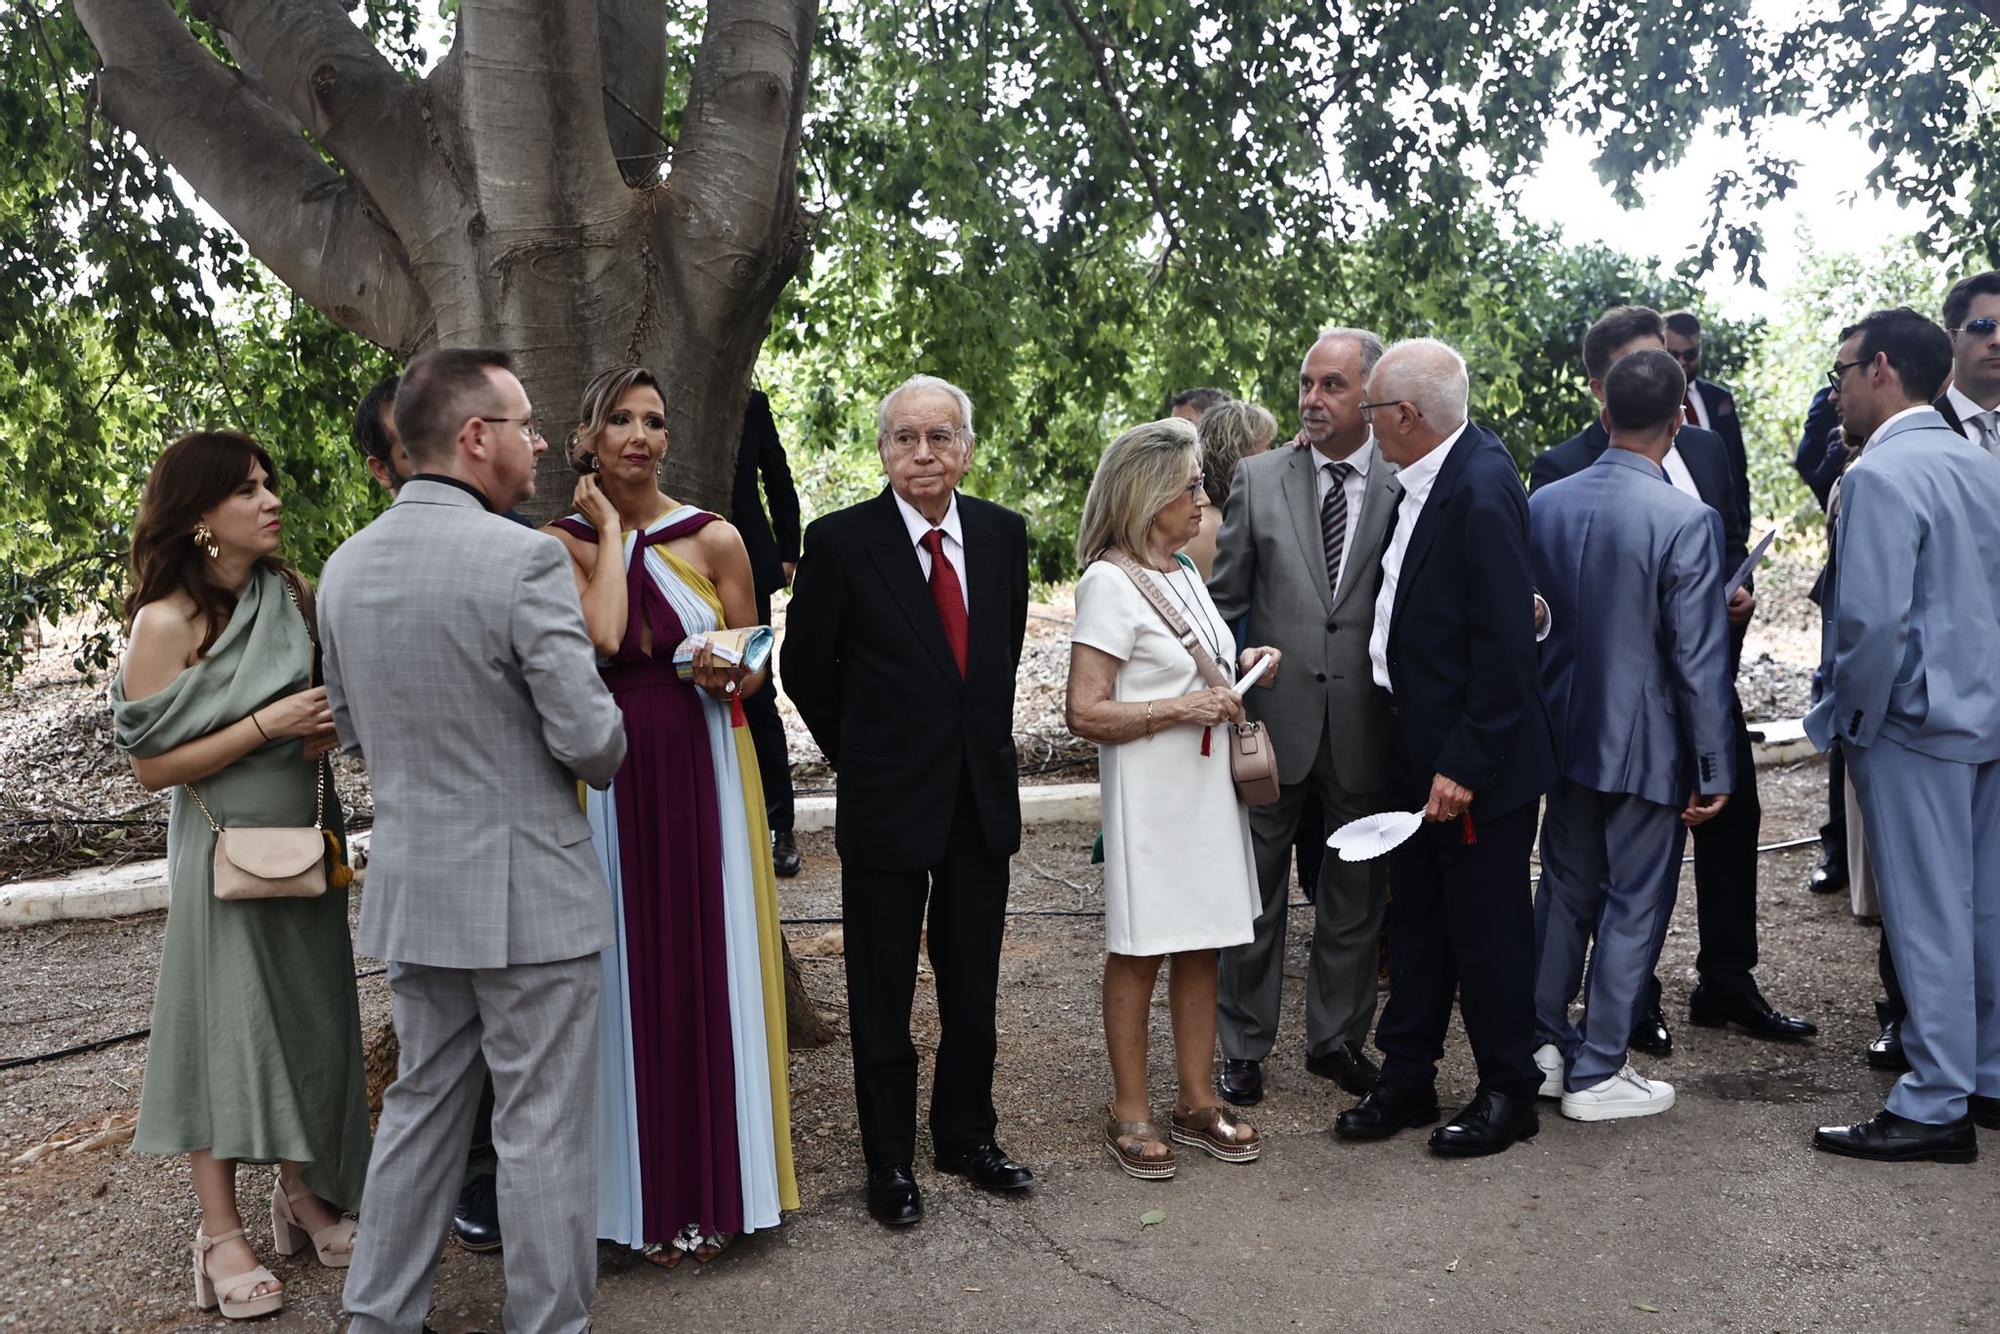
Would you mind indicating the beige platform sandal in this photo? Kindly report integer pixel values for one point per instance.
(333, 1244)
(210, 1293)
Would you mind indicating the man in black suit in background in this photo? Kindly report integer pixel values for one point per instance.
(1454, 645)
(773, 545)
(1702, 465)
(903, 643)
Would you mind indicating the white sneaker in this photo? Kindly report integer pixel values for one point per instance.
(1625, 1094)
(1549, 1058)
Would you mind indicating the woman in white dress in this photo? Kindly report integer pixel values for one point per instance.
(1179, 879)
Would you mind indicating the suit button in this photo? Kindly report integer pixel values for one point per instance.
(1332, 625)
(1319, 676)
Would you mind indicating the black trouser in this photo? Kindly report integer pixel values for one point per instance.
(1725, 881)
(1309, 846)
(1891, 1008)
(767, 735)
(480, 1160)
(1462, 918)
(1833, 834)
(882, 916)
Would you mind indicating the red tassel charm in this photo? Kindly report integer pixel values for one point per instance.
(1204, 740)
(1471, 836)
(736, 718)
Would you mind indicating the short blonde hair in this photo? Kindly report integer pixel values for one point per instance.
(601, 396)
(1139, 475)
(1231, 432)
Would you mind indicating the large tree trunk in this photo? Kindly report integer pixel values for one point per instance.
(493, 204)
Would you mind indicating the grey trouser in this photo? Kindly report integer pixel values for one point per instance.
(1347, 928)
(535, 1027)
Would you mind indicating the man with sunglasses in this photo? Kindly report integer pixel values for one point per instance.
(1971, 405)
(1911, 633)
(1710, 406)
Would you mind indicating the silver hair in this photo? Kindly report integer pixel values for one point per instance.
(1428, 374)
(1139, 475)
(1371, 345)
(930, 384)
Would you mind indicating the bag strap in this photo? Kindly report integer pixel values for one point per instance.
(325, 776)
(1150, 590)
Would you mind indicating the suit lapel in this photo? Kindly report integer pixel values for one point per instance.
(1431, 518)
(1378, 501)
(1302, 498)
(895, 558)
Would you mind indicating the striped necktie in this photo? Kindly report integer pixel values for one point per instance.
(1333, 521)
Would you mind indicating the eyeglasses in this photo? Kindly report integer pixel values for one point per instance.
(531, 426)
(1688, 356)
(1197, 486)
(1840, 369)
(1979, 328)
(1388, 403)
(939, 438)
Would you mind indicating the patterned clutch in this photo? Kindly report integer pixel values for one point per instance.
(748, 647)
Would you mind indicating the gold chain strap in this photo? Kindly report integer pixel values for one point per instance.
(325, 774)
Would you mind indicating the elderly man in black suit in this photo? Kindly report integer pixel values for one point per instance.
(1454, 646)
(1703, 465)
(773, 545)
(904, 639)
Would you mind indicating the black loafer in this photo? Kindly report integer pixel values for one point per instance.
(1651, 1034)
(1984, 1111)
(1886, 1051)
(1829, 877)
(1748, 1010)
(1491, 1123)
(475, 1224)
(1241, 1082)
(987, 1167)
(1889, 1138)
(893, 1197)
(785, 858)
(1386, 1109)
(1346, 1065)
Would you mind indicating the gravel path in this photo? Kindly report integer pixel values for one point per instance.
(1714, 1216)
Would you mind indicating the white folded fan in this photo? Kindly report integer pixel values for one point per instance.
(1372, 835)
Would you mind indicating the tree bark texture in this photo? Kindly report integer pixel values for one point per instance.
(488, 203)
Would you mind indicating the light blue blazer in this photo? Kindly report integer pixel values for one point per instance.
(1635, 669)
(1910, 646)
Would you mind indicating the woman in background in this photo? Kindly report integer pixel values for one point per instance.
(1230, 432)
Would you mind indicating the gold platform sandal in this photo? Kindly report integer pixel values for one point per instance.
(234, 1293)
(1217, 1132)
(1139, 1147)
(333, 1244)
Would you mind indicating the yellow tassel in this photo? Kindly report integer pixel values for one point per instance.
(340, 875)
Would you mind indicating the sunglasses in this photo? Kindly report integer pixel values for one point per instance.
(1979, 328)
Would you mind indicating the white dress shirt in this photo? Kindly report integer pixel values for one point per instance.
(1678, 474)
(1354, 485)
(1982, 425)
(954, 541)
(1416, 481)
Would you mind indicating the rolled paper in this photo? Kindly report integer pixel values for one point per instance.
(1250, 678)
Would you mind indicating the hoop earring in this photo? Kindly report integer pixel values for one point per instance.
(204, 538)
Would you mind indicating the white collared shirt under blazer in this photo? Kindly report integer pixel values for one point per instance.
(1178, 869)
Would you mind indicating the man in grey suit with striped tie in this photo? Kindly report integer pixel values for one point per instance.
(1298, 556)
(458, 666)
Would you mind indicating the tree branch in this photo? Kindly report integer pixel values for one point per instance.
(247, 161)
(311, 60)
(632, 53)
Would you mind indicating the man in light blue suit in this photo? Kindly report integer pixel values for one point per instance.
(1911, 639)
(1635, 672)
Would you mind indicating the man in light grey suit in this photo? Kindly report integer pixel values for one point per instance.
(1912, 633)
(1298, 555)
(1635, 671)
(458, 666)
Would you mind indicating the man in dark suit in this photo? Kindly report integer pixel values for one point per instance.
(1710, 406)
(773, 545)
(1725, 848)
(901, 652)
(1453, 643)
(1818, 460)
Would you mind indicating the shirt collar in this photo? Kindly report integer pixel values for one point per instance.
(919, 526)
(1358, 460)
(1962, 404)
(1419, 475)
(1919, 407)
(445, 480)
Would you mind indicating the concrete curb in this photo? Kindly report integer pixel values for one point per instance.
(142, 886)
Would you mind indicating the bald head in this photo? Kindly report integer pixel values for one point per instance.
(1419, 391)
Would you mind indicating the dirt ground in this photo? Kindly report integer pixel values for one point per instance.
(1715, 1216)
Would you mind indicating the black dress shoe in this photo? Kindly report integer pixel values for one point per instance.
(1490, 1123)
(1346, 1065)
(1241, 1082)
(1829, 877)
(1985, 1112)
(1886, 1051)
(893, 1197)
(785, 858)
(1651, 1034)
(475, 1224)
(1386, 1109)
(987, 1167)
(1889, 1138)
(1749, 1010)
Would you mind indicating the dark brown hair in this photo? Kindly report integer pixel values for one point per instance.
(1960, 300)
(435, 397)
(1918, 351)
(1614, 329)
(1644, 391)
(195, 474)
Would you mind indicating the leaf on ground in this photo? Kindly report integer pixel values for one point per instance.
(1152, 1218)
(1646, 1306)
(1452, 1268)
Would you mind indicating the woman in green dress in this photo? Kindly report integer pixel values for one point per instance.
(256, 1047)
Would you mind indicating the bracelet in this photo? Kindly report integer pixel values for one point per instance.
(259, 726)
(1149, 718)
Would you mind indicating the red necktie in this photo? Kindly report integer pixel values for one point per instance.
(1687, 409)
(945, 593)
